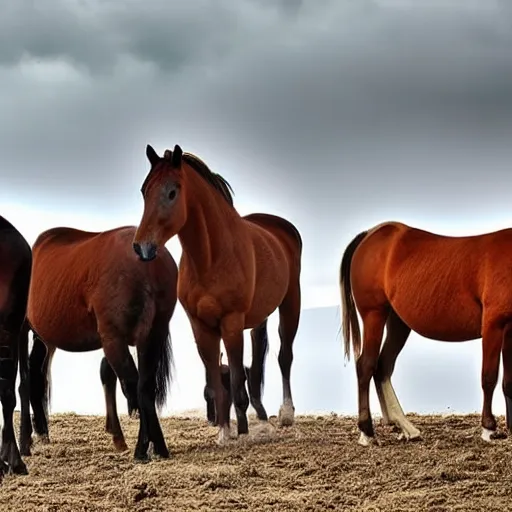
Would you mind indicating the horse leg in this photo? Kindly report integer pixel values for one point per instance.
(24, 391)
(366, 366)
(153, 374)
(256, 373)
(289, 314)
(112, 426)
(392, 412)
(208, 347)
(39, 375)
(121, 362)
(506, 352)
(232, 331)
(210, 402)
(492, 340)
(209, 397)
(9, 452)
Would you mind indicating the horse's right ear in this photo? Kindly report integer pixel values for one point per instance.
(152, 155)
(177, 154)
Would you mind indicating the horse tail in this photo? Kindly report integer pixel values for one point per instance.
(161, 340)
(350, 323)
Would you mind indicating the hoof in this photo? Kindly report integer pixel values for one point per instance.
(224, 436)
(44, 438)
(120, 444)
(489, 435)
(20, 468)
(286, 415)
(365, 440)
(134, 415)
(411, 435)
(141, 458)
(161, 456)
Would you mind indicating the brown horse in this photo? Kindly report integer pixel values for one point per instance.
(15, 270)
(234, 272)
(444, 288)
(89, 291)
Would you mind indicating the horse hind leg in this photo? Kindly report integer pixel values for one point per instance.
(392, 412)
(256, 373)
(39, 369)
(506, 352)
(112, 426)
(493, 339)
(9, 452)
(366, 366)
(121, 363)
(289, 315)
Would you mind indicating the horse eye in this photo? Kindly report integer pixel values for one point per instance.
(172, 194)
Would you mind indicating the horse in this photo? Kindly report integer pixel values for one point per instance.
(15, 272)
(89, 291)
(444, 288)
(234, 272)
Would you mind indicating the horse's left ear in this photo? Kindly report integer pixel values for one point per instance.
(152, 155)
(176, 156)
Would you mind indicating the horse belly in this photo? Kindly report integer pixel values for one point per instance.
(441, 321)
(71, 329)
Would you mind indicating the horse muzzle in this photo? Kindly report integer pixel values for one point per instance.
(146, 251)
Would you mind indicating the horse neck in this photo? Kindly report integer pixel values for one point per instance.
(210, 230)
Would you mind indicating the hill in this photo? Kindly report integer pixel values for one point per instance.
(315, 465)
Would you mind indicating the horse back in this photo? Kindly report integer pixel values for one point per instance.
(437, 284)
(83, 279)
(282, 229)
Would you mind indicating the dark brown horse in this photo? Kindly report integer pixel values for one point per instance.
(15, 270)
(89, 291)
(234, 272)
(444, 288)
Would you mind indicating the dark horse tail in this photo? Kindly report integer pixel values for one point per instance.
(350, 323)
(161, 340)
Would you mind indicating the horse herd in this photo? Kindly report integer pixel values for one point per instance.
(81, 291)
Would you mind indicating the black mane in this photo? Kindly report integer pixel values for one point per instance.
(215, 180)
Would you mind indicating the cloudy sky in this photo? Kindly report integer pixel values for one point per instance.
(336, 114)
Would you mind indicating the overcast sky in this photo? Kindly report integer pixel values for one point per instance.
(337, 114)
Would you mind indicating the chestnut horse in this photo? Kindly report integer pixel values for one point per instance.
(89, 291)
(444, 288)
(15, 270)
(234, 272)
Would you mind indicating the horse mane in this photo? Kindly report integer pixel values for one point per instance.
(215, 180)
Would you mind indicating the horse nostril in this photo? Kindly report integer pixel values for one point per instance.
(138, 252)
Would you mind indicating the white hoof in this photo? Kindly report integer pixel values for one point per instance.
(364, 440)
(410, 435)
(286, 415)
(487, 435)
(224, 436)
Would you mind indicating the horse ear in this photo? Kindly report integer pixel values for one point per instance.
(176, 156)
(152, 155)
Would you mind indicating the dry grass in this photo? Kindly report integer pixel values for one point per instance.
(315, 465)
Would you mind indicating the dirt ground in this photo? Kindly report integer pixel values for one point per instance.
(315, 465)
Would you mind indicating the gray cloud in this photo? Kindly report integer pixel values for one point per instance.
(360, 111)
